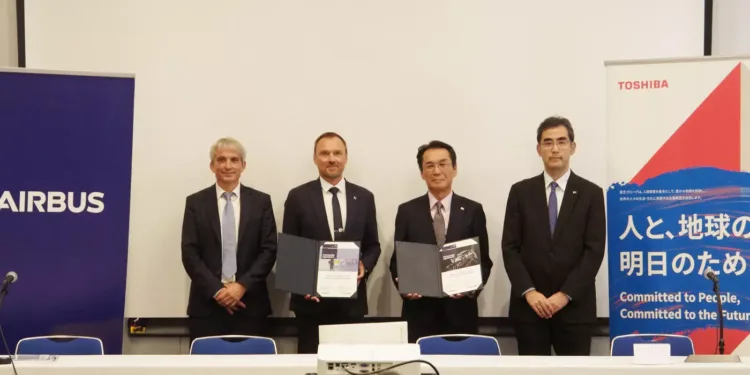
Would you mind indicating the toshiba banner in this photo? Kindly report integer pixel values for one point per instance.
(65, 203)
(678, 205)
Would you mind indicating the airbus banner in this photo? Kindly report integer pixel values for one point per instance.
(65, 203)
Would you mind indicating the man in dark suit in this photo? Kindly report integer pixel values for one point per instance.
(331, 208)
(553, 245)
(228, 249)
(440, 217)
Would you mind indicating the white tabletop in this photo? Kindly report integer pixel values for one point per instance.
(297, 364)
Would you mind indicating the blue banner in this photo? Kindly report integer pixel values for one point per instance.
(65, 204)
(664, 236)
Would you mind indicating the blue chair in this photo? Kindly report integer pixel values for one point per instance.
(233, 344)
(60, 345)
(458, 345)
(679, 345)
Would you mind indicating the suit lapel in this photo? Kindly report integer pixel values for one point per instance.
(425, 217)
(570, 197)
(352, 207)
(212, 202)
(245, 197)
(316, 197)
(455, 220)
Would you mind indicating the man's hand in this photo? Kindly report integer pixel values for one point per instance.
(410, 295)
(224, 298)
(309, 297)
(540, 304)
(361, 272)
(558, 301)
(229, 297)
(236, 307)
(236, 290)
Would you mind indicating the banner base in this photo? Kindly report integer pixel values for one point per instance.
(713, 358)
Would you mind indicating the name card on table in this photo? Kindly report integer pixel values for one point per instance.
(652, 354)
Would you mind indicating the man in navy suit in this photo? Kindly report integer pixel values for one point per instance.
(553, 246)
(228, 250)
(438, 217)
(331, 208)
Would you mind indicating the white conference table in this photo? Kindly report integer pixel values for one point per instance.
(300, 364)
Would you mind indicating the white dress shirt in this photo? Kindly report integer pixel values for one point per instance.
(328, 202)
(446, 210)
(222, 203)
(562, 182)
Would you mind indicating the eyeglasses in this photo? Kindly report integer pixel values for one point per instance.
(431, 167)
(561, 143)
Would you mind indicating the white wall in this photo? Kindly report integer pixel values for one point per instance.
(731, 28)
(479, 74)
(8, 39)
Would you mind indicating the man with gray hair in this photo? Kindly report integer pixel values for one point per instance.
(228, 250)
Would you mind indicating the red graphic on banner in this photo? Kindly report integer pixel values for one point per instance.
(710, 137)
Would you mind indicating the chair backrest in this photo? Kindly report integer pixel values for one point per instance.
(679, 345)
(233, 344)
(60, 345)
(458, 345)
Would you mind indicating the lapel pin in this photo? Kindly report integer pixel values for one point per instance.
(355, 197)
(462, 208)
(575, 192)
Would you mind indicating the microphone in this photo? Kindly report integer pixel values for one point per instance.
(10, 278)
(710, 274)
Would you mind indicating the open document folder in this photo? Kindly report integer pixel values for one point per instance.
(439, 272)
(318, 268)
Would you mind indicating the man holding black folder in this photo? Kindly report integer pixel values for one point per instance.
(330, 208)
(441, 217)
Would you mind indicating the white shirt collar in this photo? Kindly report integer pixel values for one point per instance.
(327, 186)
(562, 182)
(220, 191)
(446, 201)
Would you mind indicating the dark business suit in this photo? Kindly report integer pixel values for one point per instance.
(567, 261)
(305, 216)
(431, 316)
(202, 258)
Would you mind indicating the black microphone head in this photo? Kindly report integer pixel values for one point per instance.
(11, 277)
(709, 274)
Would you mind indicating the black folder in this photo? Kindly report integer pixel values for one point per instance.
(297, 262)
(420, 268)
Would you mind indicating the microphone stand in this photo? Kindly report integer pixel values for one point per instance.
(3, 292)
(716, 358)
(721, 317)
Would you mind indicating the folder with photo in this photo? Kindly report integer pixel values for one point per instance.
(319, 268)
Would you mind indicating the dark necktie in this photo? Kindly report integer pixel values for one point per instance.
(438, 224)
(338, 225)
(552, 206)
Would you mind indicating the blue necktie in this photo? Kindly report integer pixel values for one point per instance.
(552, 208)
(228, 240)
